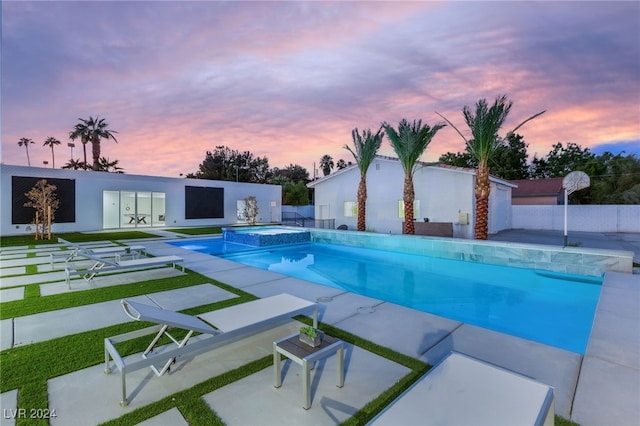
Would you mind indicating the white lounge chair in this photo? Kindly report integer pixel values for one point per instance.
(77, 250)
(462, 390)
(221, 327)
(102, 265)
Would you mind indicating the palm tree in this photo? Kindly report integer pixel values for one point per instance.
(326, 164)
(341, 164)
(25, 142)
(484, 125)
(366, 147)
(108, 166)
(75, 165)
(80, 131)
(51, 141)
(92, 130)
(409, 143)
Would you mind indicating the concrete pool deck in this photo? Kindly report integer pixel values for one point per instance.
(602, 387)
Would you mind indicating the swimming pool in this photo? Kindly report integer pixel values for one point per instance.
(556, 309)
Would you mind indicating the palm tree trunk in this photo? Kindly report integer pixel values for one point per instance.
(362, 203)
(53, 158)
(95, 151)
(84, 151)
(28, 159)
(482, 190)
(408, 197)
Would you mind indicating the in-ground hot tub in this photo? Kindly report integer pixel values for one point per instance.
(259, 236)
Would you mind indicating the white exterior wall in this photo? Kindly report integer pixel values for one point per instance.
(89, 187)
(587, 218)
(443, 194)
(329, 200)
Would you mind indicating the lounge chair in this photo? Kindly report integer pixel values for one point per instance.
(221, 327)
(102, 265)
(462, 390)
(77, 250)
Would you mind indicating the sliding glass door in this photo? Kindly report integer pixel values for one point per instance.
(131, 209)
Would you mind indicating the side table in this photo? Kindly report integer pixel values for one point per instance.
(306, 355)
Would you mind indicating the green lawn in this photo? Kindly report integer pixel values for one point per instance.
(75, 237)
(197, 231)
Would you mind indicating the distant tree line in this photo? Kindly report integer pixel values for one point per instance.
(615, 179)
(224, 163)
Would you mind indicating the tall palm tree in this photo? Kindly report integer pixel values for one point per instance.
(93, 130)
(25, 142)
(51, 141)
(365, 149)
(409, 143)
(80, 132)
(326, 164)
(484, 125)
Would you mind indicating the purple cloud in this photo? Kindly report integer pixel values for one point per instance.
(289, 80)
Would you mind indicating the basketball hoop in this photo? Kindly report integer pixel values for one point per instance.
(574, 181)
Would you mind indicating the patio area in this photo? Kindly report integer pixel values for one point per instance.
(601, 387)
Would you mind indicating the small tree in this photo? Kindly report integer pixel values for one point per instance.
(43, 199)
(251, 209)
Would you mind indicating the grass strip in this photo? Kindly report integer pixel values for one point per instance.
(197, 231)
(189, 401)
(76, 237)
(34, 305)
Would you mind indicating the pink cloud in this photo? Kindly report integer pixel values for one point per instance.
(291, 80)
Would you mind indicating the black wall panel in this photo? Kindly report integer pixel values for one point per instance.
(203, 203)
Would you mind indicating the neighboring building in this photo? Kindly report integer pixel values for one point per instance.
(442, 194)
(92, 201)
(537, 192)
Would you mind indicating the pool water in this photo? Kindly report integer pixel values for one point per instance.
(214, 246)
(556, 309)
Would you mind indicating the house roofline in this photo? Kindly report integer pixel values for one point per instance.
(443, 167)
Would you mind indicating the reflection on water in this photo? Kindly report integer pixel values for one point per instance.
(517, 301)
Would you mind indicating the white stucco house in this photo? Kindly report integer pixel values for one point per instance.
(91, 201)
(442, 194)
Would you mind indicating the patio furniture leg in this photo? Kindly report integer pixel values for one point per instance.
(340, 362)
(306, 381)
(277, 362)
(123, 377)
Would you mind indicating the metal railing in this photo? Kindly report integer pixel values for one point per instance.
(296, 219)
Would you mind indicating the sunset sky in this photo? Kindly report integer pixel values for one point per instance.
(290, 80)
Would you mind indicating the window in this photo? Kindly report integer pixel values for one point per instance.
(350, 209)
(416, 209)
